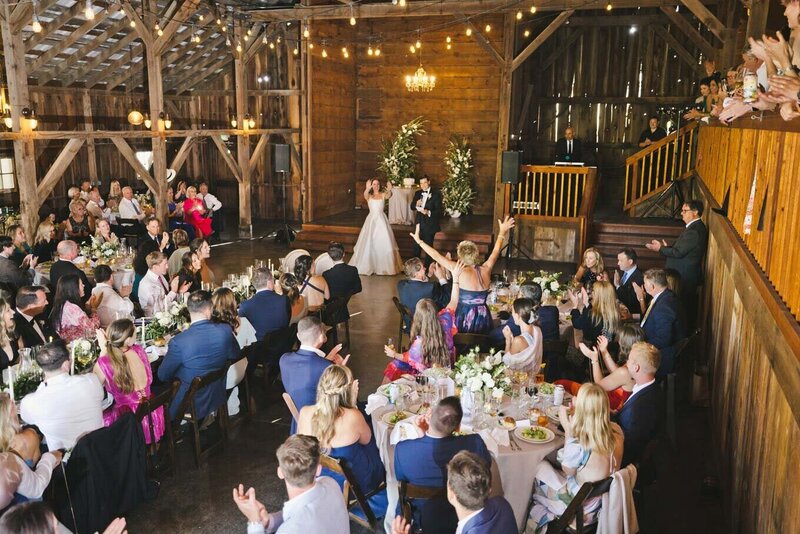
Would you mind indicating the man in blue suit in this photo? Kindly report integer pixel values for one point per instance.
(418, 286)
(202, 348)
(663, 322)
(300, 370)
(266, 310)
(469, 480)
(423, 461)
(640, 416)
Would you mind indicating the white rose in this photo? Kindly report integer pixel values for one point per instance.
(84, 345)
(497, 393)
(554, 286)
(488, 380)
(475, 384)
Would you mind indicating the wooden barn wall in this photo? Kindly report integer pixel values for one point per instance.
(597, 76)
(332, 121)
(465, 101)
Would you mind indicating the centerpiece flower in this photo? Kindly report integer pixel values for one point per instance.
(457, 191)
(84, 354)
(168, 321)
(549, 282)
(475, 374)
(398, 157)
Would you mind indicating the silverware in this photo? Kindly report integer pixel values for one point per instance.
(514, 445)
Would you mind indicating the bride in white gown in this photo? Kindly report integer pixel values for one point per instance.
(376, 249)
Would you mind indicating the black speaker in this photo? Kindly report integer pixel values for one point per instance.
(280, 158)
(510, 169)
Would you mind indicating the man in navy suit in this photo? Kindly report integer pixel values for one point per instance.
(266, 310)
(343, 279)
(202, 348)
(423, 461)
(153, 240)
(640, 416)
(469, 480)
(418, 286)
(300, 370)
(628, 273)
(663, 322)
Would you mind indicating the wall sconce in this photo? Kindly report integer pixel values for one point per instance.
(252, 122)
(249, 122)
(29, 114)
(234, 122)
(164, 121)
(7, 120)
(147, 122)
(167, 121)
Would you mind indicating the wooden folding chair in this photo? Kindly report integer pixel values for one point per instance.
(408, 492)
(330, 316)
(466, 342)
(146, 408)
(574, 511)
(359, 498)
(292, 407)
(405, 319)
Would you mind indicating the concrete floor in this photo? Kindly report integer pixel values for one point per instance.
(199, 500)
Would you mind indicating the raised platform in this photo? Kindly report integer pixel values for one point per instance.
(345, 227)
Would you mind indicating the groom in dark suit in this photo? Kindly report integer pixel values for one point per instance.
(427, 203)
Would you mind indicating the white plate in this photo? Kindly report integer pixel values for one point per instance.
(385, 418)
(552, 414)
(550, 435)
(402, 389)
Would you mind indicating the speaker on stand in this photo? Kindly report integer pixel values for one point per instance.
(282, 164)
(510, 175)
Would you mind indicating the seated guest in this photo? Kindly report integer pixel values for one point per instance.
(154, 292)
(45, 243)
(73, 194)
(523, 352)
(315, 503)
(124, 370)
(592, 451)
(129, 208)
(472, 314)
(652, 133)
(297, 302)
(24, 442)
(640, 416)
(266, 310)
(341, 428)
(417, 286)
(67, 252)
(343, 279)
(64, 407)
(568, 148)
(195, 214)
(103, 234)
(31, 325)
(618, 382)
(152, 241)
(591, 268)
(180, 239)
(314, 288)
(625, 277)
(112, 305)
(224, 309)
(10, 272)
(21, 248)
(79, 226)
(300, 370)
(94, 206)
(203, 250)
(547, 317)
(70, 318)
(663, 323)
(432, 338)
(9, 344)
(423, 461)
(212, 205)
(200, 349)
(114, 190)
(597, 315)
(175, 211)
(85, 187)
(180, 192)
(190, 272)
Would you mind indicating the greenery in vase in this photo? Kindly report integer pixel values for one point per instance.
(549, 282)
(26, 382)
(85, 352)
(457, 191)
(485, 374)
(398, 157)
(167, 322)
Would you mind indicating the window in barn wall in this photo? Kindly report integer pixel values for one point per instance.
(7, 174)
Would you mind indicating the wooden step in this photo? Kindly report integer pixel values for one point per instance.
(609, 237)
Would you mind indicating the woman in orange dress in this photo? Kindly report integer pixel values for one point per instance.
(194, 214)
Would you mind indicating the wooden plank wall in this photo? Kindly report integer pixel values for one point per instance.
(333, 121)
(464, 102)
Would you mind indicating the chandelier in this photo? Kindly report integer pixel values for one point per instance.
(420, 81)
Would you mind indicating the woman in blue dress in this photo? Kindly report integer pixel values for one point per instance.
(342, 430)
(472, 314)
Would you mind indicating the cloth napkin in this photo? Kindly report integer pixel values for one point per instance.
(494, 438)
(404, 430)
(375, 401)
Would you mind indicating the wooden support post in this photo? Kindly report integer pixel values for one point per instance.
(689, 31)
(88, 125)
(195, 170)
(509, 41)
(295, 118)
(757, 18)
(227, 157)
(130, 156)
(305, 118)
(706, 17)
(242, 142)
(19, 98)
(56, 171)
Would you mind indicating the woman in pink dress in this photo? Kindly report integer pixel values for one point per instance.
(69, 316)
(124, 370)
(193, 213)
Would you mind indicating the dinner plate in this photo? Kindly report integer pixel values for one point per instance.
(388, 415)
(552, 414)
(402, 389)
(550, 435)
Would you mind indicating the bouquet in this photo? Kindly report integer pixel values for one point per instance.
(168, 321)
(398, 157)
(549, 283)
(487, 375)
(457, 191)
(144, 200)
(103, 251)
(84, 355)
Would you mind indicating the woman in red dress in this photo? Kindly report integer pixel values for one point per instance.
(193, 213)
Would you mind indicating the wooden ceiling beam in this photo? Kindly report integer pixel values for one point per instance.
(59, 166)
(481, 39)
(197, 64)
(705, 16)
(98, 60)
(199, 72)
(689, 31)
(185, 9)
(540, 39)
(51, 27)
(679, 48)
(22, 14)
(130, 156)
(141, 29)
(227, 157)
(140, 134)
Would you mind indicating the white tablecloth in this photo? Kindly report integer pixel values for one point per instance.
(120, 277)
(400, 211)
(517, 468)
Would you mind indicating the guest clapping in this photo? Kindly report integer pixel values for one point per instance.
(190, 272)
(314, 288)
(591, 268)
(110, 304)
(523, 352)
(103, 234)
(154, 292)
(596, 315)
(70, 318)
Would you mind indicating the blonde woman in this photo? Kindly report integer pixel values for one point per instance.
(124, 370)
(79, 226)
(103, 234)
(21, 445)
(596, 315)
(45, 242)
(9, 344)
(472, 313)
(593, 447)
(341, 429)
(591, 268)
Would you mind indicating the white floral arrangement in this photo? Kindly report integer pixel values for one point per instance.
(549, 282)
(84, 355)
(168, 321)
(398, 157)
(103, 251)
(144, 199)
(488, 374)
(243, 288)
(457, 191)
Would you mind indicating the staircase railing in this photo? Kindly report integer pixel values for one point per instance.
(652, 169)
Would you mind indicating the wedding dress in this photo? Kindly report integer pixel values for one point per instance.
(376, 249)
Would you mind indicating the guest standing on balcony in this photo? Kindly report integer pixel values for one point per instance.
(652, 133)
(568, 148)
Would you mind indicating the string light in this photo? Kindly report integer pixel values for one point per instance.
(469, 32)
(352, 16)
(402, 3)
(133, 24)
(264, 38)
(418, 44)
(448, 39)
(488, 28)
(533, 10)
(324, 53)
(306, 33)
(249, 32)
(219, 22)
(609, 7)
(88, 11)
(377, 51)
(345, 53)
(36, 24)
(246, 38)
(527, 33)
(200, 17)
(272, 46)
(449, 46)
(311, 46)
(295, 51)
(239, 47)
(519, 15)
(370, 51)
(412, 49)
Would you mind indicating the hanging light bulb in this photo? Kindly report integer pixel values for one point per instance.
(227, 41)
(352, 21)
(469, 32)
(345, 53)
(609, 7)
(402, 3)
(249, 31)
(449, 46)
(8, 121)
(306, 33)
(147, 122)
(234, 122)
(448, 40)
(519, 15)
(377, 51)
(272, 46)
(246, 38)
(324, 53)
(219, 22)
(264, 39)
(412, 49)
(278, 40)
(295, 51)
(239, 47)
(418, 44)
(36, 26)
(533, 10)
(158, 29)
(488, 28)
(527, 33)
(370, 51)
(200, 17)
(252, 122)
(133, 24)
(88, 11)
(311, 46)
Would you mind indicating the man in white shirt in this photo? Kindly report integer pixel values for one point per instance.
(95, 207)
(155, 294)
(129, 207)
(315, 503)
(212, 205)
(112, 305)
(63, 407)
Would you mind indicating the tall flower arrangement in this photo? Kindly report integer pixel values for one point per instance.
(457, 191)
(398, 157)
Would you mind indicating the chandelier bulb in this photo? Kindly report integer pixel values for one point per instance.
(88, 11)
